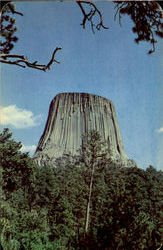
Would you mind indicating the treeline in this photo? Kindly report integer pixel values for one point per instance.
(57, 208)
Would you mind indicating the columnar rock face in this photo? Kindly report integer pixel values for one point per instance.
(70, 116)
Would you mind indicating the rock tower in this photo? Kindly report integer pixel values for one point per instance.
(70, 116)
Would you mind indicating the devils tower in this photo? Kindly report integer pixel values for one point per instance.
(70, 116)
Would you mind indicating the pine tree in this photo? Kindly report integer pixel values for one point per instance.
(94, 155)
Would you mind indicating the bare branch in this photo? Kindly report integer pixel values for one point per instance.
(89, 17)
(10, 62)
(20, 60)
(4, 56)
(117, 7)
(53, 58)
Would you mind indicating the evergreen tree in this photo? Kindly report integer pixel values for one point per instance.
(16, 167)
(18, 220)
(94, 154)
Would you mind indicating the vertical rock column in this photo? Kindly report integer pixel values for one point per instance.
(70, 116)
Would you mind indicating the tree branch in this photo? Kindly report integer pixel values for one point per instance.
(20, 60)
(14, 11)
(89, 17)
(146, 17)
(117, 7)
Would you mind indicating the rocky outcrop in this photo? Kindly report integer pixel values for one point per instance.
(70, 116)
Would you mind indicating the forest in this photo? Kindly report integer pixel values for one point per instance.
(47, 207)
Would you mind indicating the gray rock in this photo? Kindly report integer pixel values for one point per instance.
(70, 116)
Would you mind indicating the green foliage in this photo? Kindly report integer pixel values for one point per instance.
(93, 150)
(127, 217)
(146, 17)
(16, 167)
(44, 208)
(8, 29)
(94, 155)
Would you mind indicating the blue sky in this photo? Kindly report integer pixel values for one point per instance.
(108, 63)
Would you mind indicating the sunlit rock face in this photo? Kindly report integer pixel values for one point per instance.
(70, 116)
